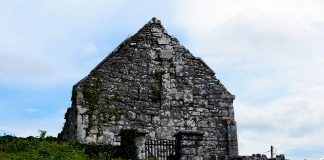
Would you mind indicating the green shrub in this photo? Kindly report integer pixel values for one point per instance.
(31, 148)
(16, 148)
(128, 145)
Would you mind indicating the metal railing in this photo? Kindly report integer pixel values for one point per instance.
(160, 149)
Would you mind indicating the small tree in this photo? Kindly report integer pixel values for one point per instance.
(42, 134)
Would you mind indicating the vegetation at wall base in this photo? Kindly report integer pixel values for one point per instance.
(128, 143)
(32, 148)
(51, 148)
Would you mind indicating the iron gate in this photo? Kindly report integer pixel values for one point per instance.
(161, 149)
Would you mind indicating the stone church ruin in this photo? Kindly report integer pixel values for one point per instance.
(153, 83)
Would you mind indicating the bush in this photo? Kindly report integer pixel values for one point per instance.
(48, 147)
(34, 148)
(128, 144)
(16, 148)
(98, 151)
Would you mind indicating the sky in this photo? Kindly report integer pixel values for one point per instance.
(268, 53)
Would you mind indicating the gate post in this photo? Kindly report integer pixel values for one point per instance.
(188, 145)
(140, 143)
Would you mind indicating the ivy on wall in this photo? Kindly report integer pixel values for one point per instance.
(99, 109)
(92, 96)
(157, 93)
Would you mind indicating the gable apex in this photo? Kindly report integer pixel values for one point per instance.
(154, 20)
(153, 37)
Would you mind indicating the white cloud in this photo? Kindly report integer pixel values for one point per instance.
(23, 65)
(28, 70)
(43, 42)
(62, 37)
(269, 54)
(202, 16)
(290, 122)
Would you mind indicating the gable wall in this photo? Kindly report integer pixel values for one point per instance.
(161, 89)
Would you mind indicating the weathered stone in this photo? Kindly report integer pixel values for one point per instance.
(151, 82)
(156, 30)
(166, 54)
(164, 40)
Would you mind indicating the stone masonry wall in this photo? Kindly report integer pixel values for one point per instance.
(152, 83)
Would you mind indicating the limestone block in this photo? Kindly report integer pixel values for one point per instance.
(153, 55)
(156, 30)
(195, 113)
(156, 120)
(131, 115)
(166, 53)
(92, 138)
(164, 40)
(188, 97)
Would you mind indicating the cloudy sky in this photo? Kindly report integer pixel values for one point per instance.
(269, 53)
